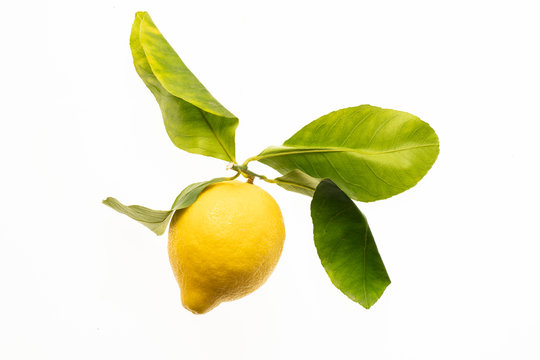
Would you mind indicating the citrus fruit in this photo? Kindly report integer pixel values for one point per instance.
(225, 245)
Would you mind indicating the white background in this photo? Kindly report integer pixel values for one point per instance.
(79, 281)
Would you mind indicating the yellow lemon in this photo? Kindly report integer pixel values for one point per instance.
(225, 245)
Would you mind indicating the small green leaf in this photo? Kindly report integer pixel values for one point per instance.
(192, 192)
(157, 220)
(346, 246)
(195, 121)
(298, 181)
(369, 152)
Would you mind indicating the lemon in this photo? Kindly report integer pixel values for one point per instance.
(225, 245)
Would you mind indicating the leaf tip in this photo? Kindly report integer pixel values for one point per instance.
(107, 201)
(141, 14)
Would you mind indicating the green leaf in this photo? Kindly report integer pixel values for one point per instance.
(346, 246)
(192, 192)
(369, 152)
(195, 121)
(298, 181)
(157, 220)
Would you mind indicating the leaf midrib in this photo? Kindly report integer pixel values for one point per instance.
(215, 135)
(319, 150)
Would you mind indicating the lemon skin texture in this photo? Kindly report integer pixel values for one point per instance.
(225, 245)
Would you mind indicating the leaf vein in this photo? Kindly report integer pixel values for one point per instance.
(215, 135)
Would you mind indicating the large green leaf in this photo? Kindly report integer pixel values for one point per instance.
(346, 246)
(194, 119)
(369, 152)
(157, 220)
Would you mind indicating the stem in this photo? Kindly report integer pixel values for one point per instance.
(248, 160)
(250, 175)
(234, 176)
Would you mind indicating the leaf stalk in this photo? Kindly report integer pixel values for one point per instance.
(250, 175)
